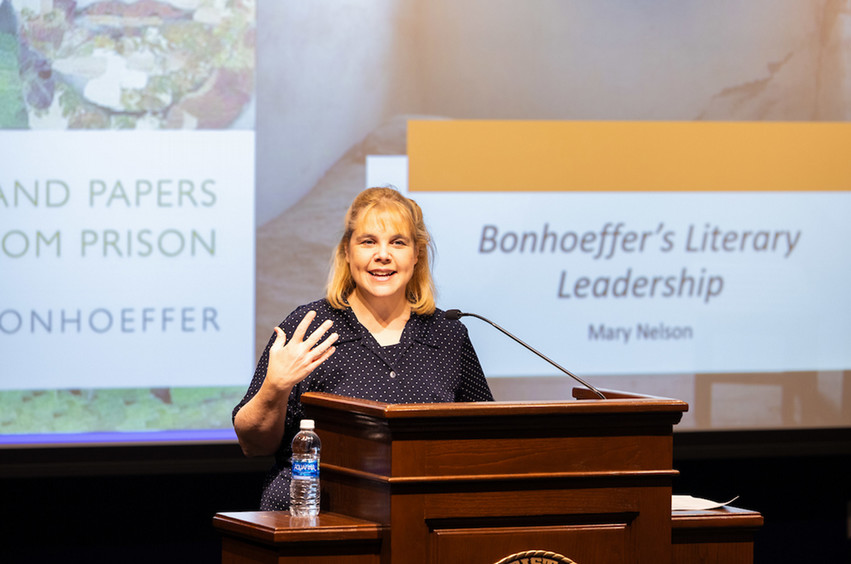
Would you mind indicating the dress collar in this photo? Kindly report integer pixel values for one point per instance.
(420, 328)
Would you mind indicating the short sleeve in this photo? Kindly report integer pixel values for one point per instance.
(473, 385)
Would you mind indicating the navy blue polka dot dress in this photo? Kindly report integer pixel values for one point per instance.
(434, 362)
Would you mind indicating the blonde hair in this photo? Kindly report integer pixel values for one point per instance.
(397, 209)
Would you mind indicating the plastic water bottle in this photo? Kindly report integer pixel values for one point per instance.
(304, 486)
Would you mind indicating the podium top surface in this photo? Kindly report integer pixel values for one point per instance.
(275, 527)
(586, 403)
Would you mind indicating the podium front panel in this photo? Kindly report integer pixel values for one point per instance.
(455, 483)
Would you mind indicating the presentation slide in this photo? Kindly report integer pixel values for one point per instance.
(127, 228)
(644, 283)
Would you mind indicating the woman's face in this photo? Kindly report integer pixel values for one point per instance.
(381, 256)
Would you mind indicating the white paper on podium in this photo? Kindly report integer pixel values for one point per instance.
(689, 503)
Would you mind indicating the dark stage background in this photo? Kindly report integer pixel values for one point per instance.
(156, 503)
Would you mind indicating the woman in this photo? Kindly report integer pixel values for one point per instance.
(389, 341)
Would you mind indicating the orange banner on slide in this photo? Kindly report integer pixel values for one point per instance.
(483, 155)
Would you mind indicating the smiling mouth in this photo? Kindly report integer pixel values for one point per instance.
(382, 274)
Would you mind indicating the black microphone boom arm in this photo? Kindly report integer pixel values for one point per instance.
(457, 314)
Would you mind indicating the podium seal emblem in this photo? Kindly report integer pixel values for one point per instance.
(536, 557)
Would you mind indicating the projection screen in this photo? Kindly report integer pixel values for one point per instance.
(175, 172)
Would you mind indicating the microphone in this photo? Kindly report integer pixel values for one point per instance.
(458, 314)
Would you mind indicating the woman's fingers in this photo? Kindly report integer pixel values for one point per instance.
(299, 356)
(301, 329)
(320, 331)
(328, 352)
(315, 336)
(322, 347)
(280, 338)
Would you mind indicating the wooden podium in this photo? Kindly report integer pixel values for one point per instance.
(586, 481)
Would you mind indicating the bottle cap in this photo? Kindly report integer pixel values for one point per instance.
(307, 424)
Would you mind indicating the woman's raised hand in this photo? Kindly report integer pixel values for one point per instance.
(291, 361)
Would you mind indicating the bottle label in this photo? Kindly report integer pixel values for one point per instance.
(305, 469)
